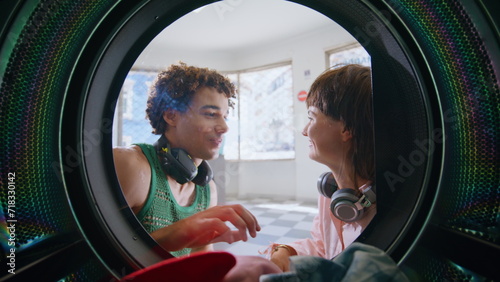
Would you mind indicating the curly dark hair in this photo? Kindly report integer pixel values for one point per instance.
(344, 93)
(175, 87)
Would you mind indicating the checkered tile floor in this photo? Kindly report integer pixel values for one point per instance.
(281, 222)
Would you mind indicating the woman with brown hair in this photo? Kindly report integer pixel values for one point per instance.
(340, 132)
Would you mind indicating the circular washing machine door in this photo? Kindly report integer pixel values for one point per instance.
(436, 95)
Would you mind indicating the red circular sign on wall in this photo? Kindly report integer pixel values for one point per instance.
(302, 95)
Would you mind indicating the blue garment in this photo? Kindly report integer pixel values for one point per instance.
(358, 262)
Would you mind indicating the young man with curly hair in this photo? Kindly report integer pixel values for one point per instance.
(187, 107)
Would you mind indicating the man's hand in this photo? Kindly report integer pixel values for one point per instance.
(250, 268)
(208, 226)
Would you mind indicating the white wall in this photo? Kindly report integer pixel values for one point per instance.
(285, 179)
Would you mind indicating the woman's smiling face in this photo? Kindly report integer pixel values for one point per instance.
(328, 140)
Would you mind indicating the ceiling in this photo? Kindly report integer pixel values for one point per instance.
(241, 24)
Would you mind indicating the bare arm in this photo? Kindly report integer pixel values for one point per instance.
(134, 175)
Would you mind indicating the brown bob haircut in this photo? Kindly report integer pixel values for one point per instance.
(345, 94)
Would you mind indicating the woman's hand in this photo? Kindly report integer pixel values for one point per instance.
(281, 257)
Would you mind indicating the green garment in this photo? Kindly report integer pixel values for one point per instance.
(161, 209)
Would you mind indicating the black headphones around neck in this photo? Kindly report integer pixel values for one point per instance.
(345, 204)
(178, 164)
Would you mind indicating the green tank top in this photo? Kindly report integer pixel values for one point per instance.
(161, 209)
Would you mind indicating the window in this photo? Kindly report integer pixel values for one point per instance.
(349, 54)
(262, 125)
(133, 127)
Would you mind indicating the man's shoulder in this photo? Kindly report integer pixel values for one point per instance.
(134, 173)
(130, 155)
(131, 150)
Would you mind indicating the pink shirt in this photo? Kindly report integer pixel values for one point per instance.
(330, 236)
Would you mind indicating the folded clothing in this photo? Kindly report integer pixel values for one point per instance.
(358, 262)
